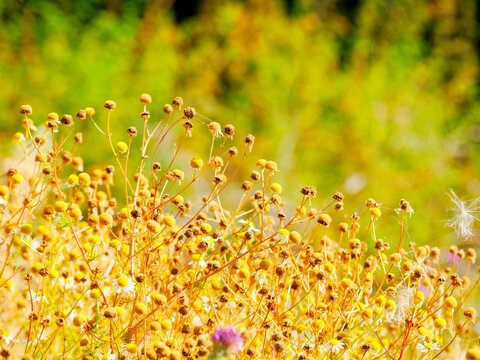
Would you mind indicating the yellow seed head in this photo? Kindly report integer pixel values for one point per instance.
(196, 163)
(145, 98)
(450, 302)
(375, 212)
(276, 188)
(121, 147)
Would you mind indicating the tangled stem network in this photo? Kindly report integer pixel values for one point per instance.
(120, 263)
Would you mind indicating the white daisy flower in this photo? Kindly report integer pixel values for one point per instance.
(250, 225)
(38, 299)
(334, 346)
(206, 303)
(261, 277)
(72, 315)
(7, 337)
(427, 346)
(107, 290)
(124, 284)
(110, 356)
(66, 283)
(209, 240)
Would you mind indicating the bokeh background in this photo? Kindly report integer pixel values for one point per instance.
(373, 98)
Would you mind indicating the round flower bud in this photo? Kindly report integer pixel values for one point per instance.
(470, 313)
(82, 115)
(131, 348)
(110, 313)
(440, 323)
(189, 112)
(407, 266)
(473, 354)
(295, 237)
(78, 320)
(132, 131)
(105, 219)
(367, 313)
(271, 166)
(450, 302)
(265, 264)
(395, 258)
(145, 98)
(324, 219)
(26, 109)
(178, 174)
(52, 116)
(67, 120)
(178, 101)
(90, 111)
(17, 178)
(110, 105)
(280, 270)
(276, 188)
(153, 226)
(375, 212)
(72, 179)
(140, 308)
(84, 179)
(229, 130)
(196, 163)
(391, 304)
(122, 147)
(243, 273)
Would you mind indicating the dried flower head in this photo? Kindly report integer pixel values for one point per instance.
(464, 214)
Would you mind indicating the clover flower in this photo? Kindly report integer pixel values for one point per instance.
(227, 340)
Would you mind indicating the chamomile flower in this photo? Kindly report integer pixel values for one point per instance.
(250, 224)
(66, 283)
(19, 137)
(427, 346)
(38, 299)
(206, 303)
(261, 277)
(215, 129)
(334, 346)
(209, 240)
(110, 356)
(124, 284)
(7, 337)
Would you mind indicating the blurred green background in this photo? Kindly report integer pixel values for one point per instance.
(373, 98)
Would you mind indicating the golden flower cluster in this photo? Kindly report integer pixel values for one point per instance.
(149, 269)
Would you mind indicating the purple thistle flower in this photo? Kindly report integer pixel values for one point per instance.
(424, 289)
(454, 259)
(227, 339)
